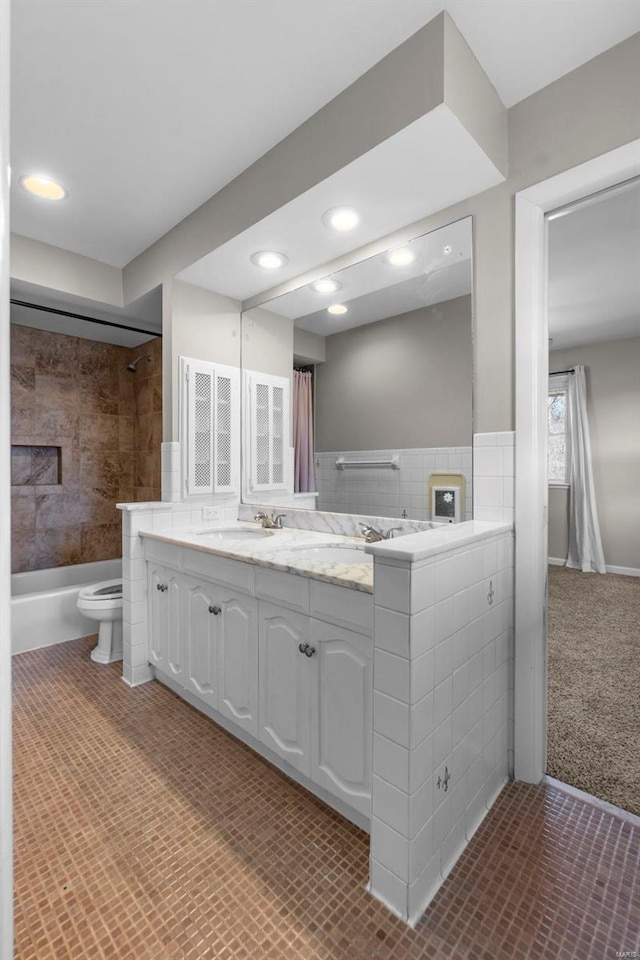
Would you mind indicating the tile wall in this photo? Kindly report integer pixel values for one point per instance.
(385, 492)
(493, 476)
(443, 655)
(75, 397)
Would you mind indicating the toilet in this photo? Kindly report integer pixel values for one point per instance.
(103, 602)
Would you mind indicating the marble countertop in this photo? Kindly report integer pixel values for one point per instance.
(281, 550)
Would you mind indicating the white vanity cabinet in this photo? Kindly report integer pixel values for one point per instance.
(251, 649)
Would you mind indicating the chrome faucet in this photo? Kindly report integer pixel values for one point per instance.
(274, 522)
(371, 534)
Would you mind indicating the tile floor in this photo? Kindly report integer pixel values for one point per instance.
(144, 831)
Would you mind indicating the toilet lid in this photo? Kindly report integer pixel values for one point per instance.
(108, 590)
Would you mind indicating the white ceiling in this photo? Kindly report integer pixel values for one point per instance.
(399, 181)
(373, 290)
(144, 110)
(594, 275)
(144, 313)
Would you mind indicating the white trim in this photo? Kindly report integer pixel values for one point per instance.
(594, 801)
(624, 571)
(6, 816)
(531, 387)
(621, 571)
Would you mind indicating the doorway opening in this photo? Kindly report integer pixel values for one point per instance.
(593, 422)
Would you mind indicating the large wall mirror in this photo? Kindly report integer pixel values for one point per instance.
(357, 388)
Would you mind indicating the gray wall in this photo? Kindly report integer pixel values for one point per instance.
(199, 324)
(613, 394)
(400, 383)
(584, 114)
(48, 266)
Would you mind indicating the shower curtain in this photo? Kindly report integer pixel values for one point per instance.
(303, 431)
(585, 544)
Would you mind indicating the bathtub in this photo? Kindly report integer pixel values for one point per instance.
(43, 603)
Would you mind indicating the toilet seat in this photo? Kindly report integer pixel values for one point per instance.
(107, 592)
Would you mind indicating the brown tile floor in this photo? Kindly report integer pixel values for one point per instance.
(143, 831)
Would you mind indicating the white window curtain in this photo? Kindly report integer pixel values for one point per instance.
(585, 545)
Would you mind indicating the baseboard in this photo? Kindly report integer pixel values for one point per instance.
(621, 571)
(624, 571)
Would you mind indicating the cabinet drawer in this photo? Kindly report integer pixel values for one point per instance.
(348, 608)
(161, 552)
(284, 588)
(232, 573)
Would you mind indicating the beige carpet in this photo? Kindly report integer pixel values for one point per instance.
(594, 684)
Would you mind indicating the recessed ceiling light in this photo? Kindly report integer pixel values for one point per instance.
(326, 285)
(400, 257)
(43, 187)
(341, 219)
(337, 309)
(446, 250)
(269, 260)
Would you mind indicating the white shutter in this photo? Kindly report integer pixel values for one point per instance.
(210, 427)
(200, 385)
(227, 429)
(267, 399)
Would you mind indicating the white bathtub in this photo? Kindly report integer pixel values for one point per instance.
(44, 603)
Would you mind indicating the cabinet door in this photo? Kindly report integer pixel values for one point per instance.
(166, 621)
(239, 661)
(203, 643)
(286, 677)
(158, 624)
(342, 718)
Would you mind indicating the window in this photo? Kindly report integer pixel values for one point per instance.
(558, 459)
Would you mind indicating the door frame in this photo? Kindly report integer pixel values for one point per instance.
(531, 488)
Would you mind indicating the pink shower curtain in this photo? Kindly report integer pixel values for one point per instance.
(303, 431)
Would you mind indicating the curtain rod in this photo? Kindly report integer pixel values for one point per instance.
(79, 316)
(556, 373)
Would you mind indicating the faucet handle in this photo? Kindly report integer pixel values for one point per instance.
(277, 519)
(388, 535)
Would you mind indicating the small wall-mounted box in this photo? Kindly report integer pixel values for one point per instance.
(446, 497)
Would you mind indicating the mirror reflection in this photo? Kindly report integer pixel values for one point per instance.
(357, 388)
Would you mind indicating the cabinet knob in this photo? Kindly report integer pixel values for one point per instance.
(161, 587)
(215, 610)
(309, 652)
(302, 647)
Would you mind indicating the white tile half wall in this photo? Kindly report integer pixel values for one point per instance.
(442, 680)
(149, 516)
(494, 476)
(385, 492)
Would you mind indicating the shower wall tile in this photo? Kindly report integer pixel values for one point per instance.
(76, 395)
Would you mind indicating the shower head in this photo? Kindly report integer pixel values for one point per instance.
(134, 363)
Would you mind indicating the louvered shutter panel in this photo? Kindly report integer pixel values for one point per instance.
(268, 401)
(200, 387)
(227, 429)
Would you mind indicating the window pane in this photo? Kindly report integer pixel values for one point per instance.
(557, 408)
(557, 458)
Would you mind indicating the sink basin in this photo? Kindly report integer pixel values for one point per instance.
(334, 553)
(233, 533)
